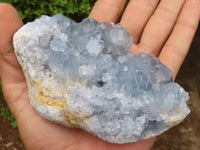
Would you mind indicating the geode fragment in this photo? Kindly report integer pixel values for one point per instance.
(82, 75)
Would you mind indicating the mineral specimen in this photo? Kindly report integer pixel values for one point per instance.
(82, 75)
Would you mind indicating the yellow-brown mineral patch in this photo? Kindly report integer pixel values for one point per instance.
(50, 102)
(69, 119)
(74, 121)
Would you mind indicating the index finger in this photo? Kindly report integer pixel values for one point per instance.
(107, 10)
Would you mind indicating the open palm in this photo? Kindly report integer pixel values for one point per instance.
(164, 28)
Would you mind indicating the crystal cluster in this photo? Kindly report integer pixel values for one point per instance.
(82, 75)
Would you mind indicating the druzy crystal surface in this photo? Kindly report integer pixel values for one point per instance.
(82, 75)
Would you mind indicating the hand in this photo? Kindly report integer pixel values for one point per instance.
(166, 30)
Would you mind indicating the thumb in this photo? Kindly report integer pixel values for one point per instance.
(10, 22)
(11, 74)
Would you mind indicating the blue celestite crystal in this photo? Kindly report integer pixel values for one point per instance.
(83, 75)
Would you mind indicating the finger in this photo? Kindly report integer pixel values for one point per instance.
(136, 16)
(10, 71)
(107, 10)
(177, 46)
(159, 26)
(10, 22)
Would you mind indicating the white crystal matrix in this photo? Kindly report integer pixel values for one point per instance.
(83, 75)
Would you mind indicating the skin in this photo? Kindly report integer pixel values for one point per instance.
(164, 28)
